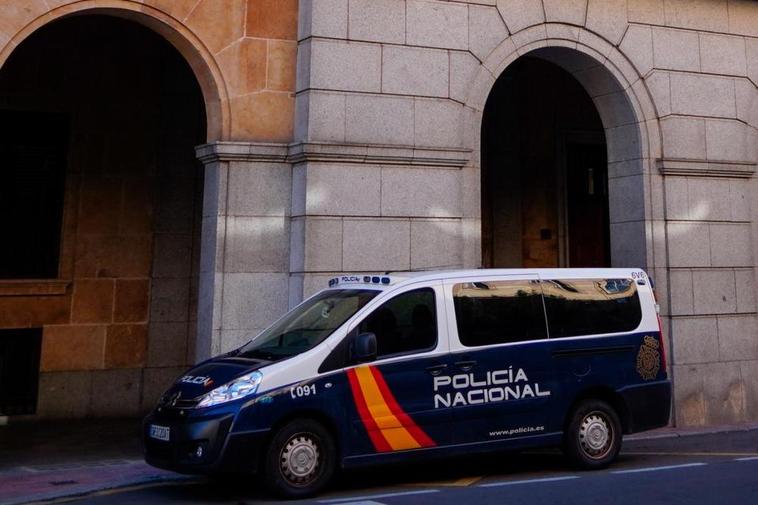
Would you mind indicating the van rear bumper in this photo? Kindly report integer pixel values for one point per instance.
(649, 405)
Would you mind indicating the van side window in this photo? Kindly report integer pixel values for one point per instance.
(407, 323)
(591, 306)
(498, 312)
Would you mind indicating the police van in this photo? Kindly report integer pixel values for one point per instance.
(385, 368)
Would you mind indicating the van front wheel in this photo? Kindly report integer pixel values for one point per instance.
(300, 460)
(592, 439)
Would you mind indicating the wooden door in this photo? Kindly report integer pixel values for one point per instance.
(587, 205)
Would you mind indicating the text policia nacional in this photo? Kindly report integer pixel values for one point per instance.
(493, 386)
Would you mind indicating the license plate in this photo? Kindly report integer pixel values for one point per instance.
(160, 432)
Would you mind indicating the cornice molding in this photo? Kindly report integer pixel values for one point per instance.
(378, 154)
(706, 168)
(304, 152)
(242, 151)
(34, 287)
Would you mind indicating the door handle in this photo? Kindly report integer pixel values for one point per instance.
(436, 369)
(465, 365)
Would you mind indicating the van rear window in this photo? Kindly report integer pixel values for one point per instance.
(498, 312)
(578, 307)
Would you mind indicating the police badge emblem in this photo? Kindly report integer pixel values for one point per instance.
(649, 358)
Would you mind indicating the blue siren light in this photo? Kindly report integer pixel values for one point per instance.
(360, 279)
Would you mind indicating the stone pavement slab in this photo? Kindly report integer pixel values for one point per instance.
(30, 484)
(45, 460)
(64, 442)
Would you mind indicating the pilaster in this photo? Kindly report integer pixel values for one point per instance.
(245, 242)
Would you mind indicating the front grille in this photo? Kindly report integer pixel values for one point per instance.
(174, 400)
(186, 404)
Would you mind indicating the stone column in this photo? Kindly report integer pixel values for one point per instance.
(245, 242)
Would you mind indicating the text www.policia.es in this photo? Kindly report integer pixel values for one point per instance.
(516, 431)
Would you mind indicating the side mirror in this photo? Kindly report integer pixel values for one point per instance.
(364, 348)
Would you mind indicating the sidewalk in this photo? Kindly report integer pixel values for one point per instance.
(48, 460)
(742, 438)
(671, 432)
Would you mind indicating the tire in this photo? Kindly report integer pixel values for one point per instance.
(592, 439)
(300, 460)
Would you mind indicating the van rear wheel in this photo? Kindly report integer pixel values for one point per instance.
(300, 459)
(592, 439)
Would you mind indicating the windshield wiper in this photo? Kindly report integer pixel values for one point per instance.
(261, 354)
(248, 358)
(293, 330)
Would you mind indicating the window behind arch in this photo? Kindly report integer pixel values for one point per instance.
(32, 175)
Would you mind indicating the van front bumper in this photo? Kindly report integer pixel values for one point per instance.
(202, 445)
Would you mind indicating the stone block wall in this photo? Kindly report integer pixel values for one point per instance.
(674, 82)
(255, 47)
(372, 217)
(706, 101)
(345, 135)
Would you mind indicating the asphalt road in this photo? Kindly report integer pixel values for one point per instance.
(704, 469)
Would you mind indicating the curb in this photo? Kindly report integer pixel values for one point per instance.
(97, 488)
(691, 432)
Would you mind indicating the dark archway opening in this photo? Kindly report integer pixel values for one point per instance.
(544, 172)
(101, 189)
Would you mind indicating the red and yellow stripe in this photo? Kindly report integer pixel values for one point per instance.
(388, 426)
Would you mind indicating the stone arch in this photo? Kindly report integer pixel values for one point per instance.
(189, 45)
(625, 107)
(121, 113)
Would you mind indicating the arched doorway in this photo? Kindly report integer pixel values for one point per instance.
(559, 150)
(100, 119)
(545, 173)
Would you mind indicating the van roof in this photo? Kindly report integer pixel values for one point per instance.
(398, 278)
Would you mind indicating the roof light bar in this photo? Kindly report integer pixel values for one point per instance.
(360, 279)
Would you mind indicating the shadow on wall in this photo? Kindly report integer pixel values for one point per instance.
(129, 247)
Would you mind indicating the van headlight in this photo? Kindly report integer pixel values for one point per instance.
(238, 388)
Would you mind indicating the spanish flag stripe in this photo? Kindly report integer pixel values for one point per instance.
(392, 429)
(380, 443)
(416, 432)
(379, 409)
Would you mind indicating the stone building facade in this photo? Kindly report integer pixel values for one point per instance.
(373, 135)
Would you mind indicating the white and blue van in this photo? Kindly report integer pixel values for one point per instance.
(383, 368)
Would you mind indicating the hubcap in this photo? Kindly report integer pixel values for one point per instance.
(299, 459)
(595, 435)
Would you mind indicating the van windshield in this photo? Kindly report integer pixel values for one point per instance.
(307, 325)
